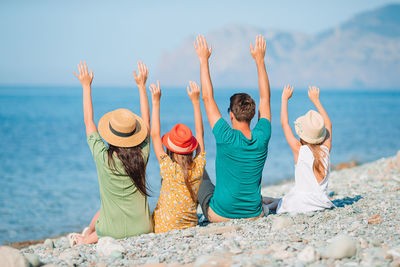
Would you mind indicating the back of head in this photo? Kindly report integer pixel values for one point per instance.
(243, 107)
(133, 162)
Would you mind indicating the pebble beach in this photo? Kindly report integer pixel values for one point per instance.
(363, 230)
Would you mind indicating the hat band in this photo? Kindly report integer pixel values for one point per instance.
(120, 134)
(177, 148)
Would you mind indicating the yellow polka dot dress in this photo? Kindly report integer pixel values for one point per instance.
(175, 208)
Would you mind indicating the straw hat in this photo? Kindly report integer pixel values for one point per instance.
(311, 127)
(180, 140)
(122, 128)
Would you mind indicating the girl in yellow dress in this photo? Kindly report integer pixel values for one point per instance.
(181, 172)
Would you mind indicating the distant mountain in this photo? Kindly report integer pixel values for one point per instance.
(363, 52)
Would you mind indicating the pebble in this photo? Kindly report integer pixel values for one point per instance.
(394, 253)
(361, 193)
(63, 242)
(342, 246)
(308, 254)
(12, 257)
(33, 259)
(217, 230)
(281, 222)
(283, 254)
(204, 261)
(376, 219)
(48, 243)
(68, 255)
(108, 246)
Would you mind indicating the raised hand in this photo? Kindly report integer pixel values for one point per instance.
(194, 91)
(258, 51)
(155, 92)
(143, 74)
(287, 92)
(84, 76)
(313, 94)
(202, 50)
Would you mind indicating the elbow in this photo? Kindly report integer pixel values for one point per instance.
(207, 98)
(88, 121)
(154, 134)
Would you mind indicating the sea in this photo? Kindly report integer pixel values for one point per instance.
(48, 180)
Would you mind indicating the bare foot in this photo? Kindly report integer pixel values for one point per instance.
(80, 239)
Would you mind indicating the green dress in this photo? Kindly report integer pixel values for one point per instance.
(124, 210)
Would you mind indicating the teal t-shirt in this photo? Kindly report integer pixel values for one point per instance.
(238, 165)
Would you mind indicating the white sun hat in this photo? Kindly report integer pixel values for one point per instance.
(311, 127)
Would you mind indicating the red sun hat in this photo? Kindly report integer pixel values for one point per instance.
(180, 139)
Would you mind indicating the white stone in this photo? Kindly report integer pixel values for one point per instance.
(106, 246)
(48, 243)
(342, 246)
(308, 254)
(11, 257)
(281, 222)
(283, 254)
(33, 259)
(279, 247)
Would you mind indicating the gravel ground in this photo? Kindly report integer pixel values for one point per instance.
(364, 230)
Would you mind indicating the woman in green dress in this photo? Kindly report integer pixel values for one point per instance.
(121, 166)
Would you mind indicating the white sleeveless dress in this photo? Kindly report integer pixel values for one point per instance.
(307, 195)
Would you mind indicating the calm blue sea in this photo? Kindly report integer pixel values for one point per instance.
(48, 181)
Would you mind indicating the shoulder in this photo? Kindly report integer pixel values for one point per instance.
(93, 136)
(263, 129)
(223, 133)
(264, 125)
(97, 146)
(165, 159)
(201, 158)
(220, 124)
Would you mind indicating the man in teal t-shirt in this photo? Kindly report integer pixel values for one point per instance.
(241, 152)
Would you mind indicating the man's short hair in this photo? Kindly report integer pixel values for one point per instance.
(243, 107)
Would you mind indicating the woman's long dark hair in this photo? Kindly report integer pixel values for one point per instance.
(186, 162)
(133, 162)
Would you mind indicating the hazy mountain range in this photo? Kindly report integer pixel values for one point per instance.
(363, 52)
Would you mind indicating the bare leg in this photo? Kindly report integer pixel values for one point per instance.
(269, 200)
(274, 205)
(92, 224)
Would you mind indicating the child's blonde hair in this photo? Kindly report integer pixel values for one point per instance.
(319, 164)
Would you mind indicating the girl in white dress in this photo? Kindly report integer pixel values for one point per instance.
(311, 157)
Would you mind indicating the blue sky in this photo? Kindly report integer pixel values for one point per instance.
(42, 41)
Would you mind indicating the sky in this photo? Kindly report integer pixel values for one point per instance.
(42, 41)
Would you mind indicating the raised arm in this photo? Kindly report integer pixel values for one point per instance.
(313, 94)
(290, 138)
(144, 101)
(155, 120)
(86, 79)
(203, 52)
(258, 54)
(194, 94)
